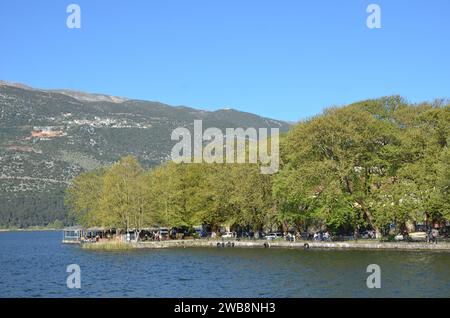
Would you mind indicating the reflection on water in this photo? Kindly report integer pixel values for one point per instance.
(33, 264)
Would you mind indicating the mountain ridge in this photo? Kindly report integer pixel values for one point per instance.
(48, 136)
(94, 97)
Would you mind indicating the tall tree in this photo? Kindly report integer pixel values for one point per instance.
(121, 198)
(82, 198)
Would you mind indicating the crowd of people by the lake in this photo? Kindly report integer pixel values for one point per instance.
(322, 236)
(430, 235)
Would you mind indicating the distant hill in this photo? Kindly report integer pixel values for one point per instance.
(49, 136)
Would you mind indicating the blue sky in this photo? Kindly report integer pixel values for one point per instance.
(281, 59)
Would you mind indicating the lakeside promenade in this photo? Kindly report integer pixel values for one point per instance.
(361, 244)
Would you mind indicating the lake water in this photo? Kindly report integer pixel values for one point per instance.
(33, 264)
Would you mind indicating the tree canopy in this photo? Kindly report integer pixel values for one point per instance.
(369, 164)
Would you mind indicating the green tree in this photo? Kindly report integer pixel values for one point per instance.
(123, 198)
(82, 197)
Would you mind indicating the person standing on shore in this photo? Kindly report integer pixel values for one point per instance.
(434, 235)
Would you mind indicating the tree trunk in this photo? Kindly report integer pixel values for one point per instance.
(372, 223)
(138, 232)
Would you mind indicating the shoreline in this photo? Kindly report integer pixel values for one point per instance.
(360, 245)
(29, 230)
(203, 243)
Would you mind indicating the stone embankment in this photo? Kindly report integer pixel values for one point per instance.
(364, 245)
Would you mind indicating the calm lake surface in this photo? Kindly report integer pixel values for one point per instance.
(33, 264)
